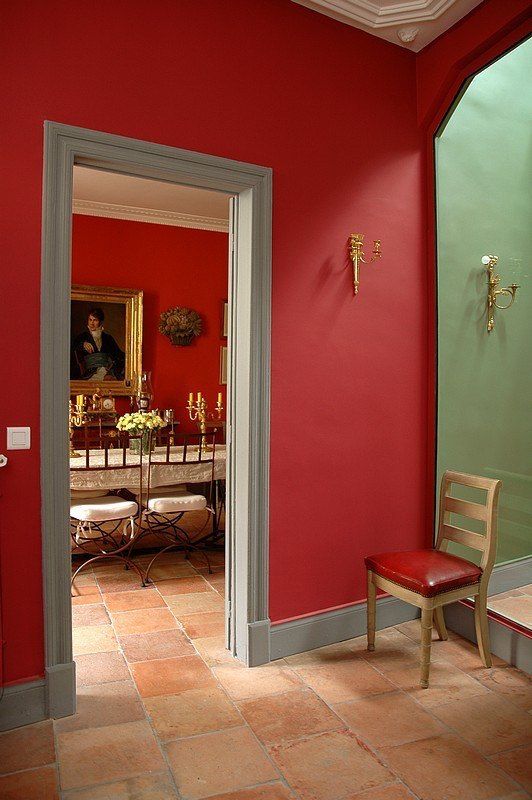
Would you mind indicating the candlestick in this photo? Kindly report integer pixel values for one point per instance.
(76, 418)
(198, 413)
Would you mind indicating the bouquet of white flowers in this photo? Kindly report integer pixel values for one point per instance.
(140, 423)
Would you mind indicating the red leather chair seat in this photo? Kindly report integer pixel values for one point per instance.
(426, 572)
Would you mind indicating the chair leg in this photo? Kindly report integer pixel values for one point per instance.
(371, 611)
(426, 641)
(482, 628)
(439, 622)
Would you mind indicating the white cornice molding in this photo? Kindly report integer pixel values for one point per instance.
(374, 16)
(396, 22)
(92, 208)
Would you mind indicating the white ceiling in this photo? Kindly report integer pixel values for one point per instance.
(408, 23)
(109, 194)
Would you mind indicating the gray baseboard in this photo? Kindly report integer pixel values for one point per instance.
(330, 627)
(61, 690)
(510, 576)
(23, 704)
(258, 643)
(51, 697)
(508, 644)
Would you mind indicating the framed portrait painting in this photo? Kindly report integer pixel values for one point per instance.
(106, 339)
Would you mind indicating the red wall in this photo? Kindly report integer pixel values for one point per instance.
(174, 266)
(333, 111)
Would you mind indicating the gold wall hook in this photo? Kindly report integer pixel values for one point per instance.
(490, 262)
(357, 255)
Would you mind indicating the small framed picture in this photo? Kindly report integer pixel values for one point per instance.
(225, 319)
(223, 365)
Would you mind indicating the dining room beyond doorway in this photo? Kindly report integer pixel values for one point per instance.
(147, 427)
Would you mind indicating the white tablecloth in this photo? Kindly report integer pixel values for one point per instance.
(161, 474)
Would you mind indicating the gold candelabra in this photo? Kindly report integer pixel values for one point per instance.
(490, 262)
(198, 413)
(357, 255)
(77, 416)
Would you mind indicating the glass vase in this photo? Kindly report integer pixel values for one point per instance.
(144, 441)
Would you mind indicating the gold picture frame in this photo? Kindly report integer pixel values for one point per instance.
(106, 339)
(223, 365)
(225, 320)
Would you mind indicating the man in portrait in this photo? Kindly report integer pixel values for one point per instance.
(96, 355)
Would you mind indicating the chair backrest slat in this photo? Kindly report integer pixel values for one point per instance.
(486, 512)
(183, 448)
(462, 536)
(465, 508)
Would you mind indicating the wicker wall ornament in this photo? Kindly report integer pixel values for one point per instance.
(181, 325)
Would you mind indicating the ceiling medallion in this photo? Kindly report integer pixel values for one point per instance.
(407, 34)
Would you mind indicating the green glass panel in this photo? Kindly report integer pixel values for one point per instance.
(484, 206)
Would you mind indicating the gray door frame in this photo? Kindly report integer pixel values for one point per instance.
(249, 380)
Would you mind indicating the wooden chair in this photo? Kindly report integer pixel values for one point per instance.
(429, 579)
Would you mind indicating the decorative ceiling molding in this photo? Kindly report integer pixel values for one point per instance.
(177, 219)
(396, 21)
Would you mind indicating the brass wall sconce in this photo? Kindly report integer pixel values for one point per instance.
(490, 262)
(357, 255)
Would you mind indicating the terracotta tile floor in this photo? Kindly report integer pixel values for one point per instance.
(165, 713)
(515, 604)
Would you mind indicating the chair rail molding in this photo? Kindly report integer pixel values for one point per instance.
(409, 23)
(248, 467)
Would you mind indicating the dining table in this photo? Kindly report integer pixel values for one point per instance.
(177, 470)
(162, 474)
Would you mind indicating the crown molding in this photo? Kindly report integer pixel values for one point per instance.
(396, 22)
(375, 16)
(92, 208)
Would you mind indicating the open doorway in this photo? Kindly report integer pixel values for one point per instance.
(484, 243)
(149, 342)
(244, 365)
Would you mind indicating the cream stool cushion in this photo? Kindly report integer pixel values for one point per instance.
(163, 503)
(103, 509)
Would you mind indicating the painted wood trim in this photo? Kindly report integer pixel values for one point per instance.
(64, 146)
(508, 644)
(93, 208)
(510, 576)
(23, 704)
(330, 627)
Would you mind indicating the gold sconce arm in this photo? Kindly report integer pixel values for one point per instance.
(357, 255)
(490, 262)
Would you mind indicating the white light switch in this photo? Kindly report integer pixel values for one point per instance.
(18, 438)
